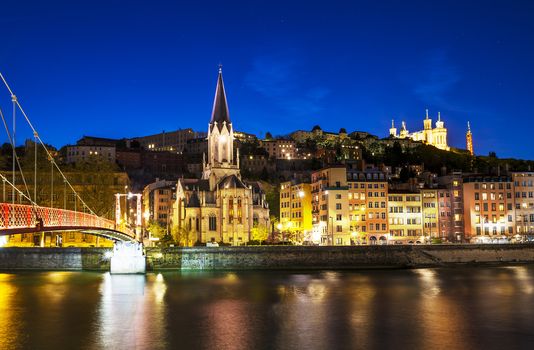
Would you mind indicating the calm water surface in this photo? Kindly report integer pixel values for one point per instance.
(467, 308)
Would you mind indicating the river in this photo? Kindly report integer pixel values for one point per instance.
(449, 308)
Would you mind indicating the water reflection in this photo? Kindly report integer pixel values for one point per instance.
(10, 323)
(414, 309)
(131, 312)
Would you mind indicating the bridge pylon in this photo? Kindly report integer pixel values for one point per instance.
(128, 258)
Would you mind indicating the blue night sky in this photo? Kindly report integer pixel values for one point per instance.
(131, 68)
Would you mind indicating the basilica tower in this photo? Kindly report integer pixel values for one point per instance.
(469, 139)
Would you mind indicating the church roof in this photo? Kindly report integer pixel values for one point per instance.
(231, 181)
(194, 201)
(195, 184)
(220, 112)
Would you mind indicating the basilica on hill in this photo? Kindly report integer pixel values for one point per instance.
(220, 207)
(436, 137)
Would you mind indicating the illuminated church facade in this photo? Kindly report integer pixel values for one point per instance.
(435, 136)
(221, 206)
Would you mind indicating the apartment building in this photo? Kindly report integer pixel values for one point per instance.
(524, 203)
(296, 210)
(430, 213)
(489, 207)
(280, 148)
(367, 197)
(330, 207)
(405, 217)
(453, 184)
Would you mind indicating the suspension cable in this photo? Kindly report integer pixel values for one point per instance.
(22, 194)
(15, 159)
(13, 100)
(44, 146)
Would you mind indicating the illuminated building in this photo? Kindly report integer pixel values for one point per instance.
(367, 197)
(220, 207)
(330, 208)
(405, 217)
(524, 202)
(444, 214)
(157, 201)
(488, 208)
(469, 139)
(77, 154)
(430, 212)
(451, 207)
(436, 137)
(280, 148)
(173, 141)
(296, 209)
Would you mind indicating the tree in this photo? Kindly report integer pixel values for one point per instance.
(184, 236)
(259, 232)
(156, 229)
(268, 136)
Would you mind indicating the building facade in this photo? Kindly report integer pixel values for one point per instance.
(524, 203)
(158, 198)
(330, 209)
(81, 153)
(488, 208)
(296, 210)
(173, 141)
(405, 217)
(367, 197)
(280, 148)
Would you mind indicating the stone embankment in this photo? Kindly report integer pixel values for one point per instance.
(273, 257)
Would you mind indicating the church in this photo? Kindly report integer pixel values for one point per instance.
(220, 207)
(436, 137)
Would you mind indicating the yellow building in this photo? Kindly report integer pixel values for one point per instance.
(330, 207)
(405, 217)
(296, 210)
(436, 137)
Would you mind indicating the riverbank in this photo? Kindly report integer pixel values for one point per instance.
(274, 257)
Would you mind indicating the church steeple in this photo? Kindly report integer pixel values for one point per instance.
(219, 113)
(221, 160)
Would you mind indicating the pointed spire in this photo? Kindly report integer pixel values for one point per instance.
(392, 123)
(220, 112)
(439, 116)
(426, 113)
(468, 127)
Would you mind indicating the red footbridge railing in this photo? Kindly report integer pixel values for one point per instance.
(26, 218)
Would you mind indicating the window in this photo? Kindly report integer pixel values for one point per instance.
(339, 228)
(212, 223)
(338, 206)
(338, 196)
(338, 217)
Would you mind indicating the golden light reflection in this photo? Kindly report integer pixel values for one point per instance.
(10, 325)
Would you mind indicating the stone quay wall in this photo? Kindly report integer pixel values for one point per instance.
(273, 257)
(54, 259)
(349, 257)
